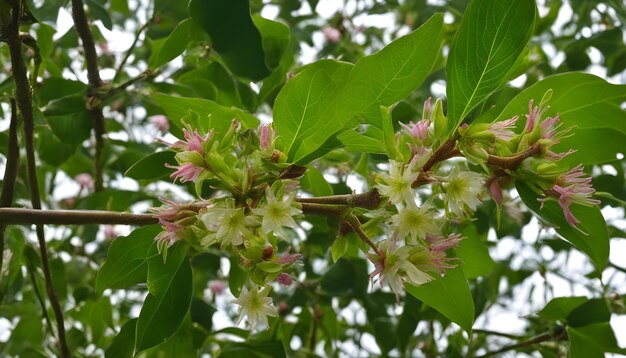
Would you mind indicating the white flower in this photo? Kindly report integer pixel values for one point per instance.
(256, 306)
(415, 222)
(397, 184)
(463, 189)
(277, 214)
(230, 225)
(395, 269)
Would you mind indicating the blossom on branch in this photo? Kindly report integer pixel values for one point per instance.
(573, 187)
(256, 306)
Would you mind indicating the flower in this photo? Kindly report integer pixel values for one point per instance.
(397, 184)
(503, 129)
(495, 191)
(284, 279)
(160, 122)
(394, 268)
(277, 214)
(433, 259)
(331, 34)
(85, 180)
(255, 305)
(186, 172)
(266, 136)
(217, 286)
(417, 130)
(230, 225)
(109, 232)
(573, 187)
(193, 141)
(169, 236)
(168, 211)
(415, 222)
(463, 189)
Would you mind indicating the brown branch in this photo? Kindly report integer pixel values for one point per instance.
(367, 200)
(324, 209)
(514, 161)
(355, 224)
(446, 151)
(10, 174)
(95, 82)
(23, 95)
(13, 216)
(113, 91)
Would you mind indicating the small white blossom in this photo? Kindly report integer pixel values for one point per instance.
(397, 184)
(415, 222)
(277, 214)
(395, 269)
(256, 306)
(463, 190)
(229, 225)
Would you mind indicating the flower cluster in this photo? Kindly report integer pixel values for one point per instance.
(252, 199)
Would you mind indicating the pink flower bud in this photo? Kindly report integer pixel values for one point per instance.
(217, 287)
(284, 279)
(109, 232)
(495, 191)
(331, 34)
(160, 122)
(85, 180)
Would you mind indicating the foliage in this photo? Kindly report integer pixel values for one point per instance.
(265, 239)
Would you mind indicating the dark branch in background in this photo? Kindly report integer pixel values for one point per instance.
(113, 91)
(120, 67)
(32, 44)
(23, 95)
(10, 175)
(95, 82)
(559, 333)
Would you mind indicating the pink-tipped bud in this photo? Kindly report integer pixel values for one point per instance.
(217, 287)
(160, 122)
(85, 180)
(284, 279)
(331, 34)
(495, 191)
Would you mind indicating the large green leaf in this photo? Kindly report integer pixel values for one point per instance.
(152, 166)
(474, 254)
(305, 105)
(123, 344)
(126, 262)
(159, 270)
(174, 45)
(392, 73)
(491, 37)
(591, 237)
(559, 308)
(162, 314)
(233, 35)
(593, 341)
(68, 118)
(211, 115)
(449, 295)
(590, 105)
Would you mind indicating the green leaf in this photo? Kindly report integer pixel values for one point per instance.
(593, 311)
(152, 167)
(591, 237)
(305, 104)
(346, 278)
(236, 277)
(339, 248)
(123, 344)
(490, 38)
(252, 349)
(593, 341)
(175, 44)
(313, 181)
(392, 73)
(126, 262)
(474, 254)
(590, 105)
(69, 120)
(233, 35)
(275, 38)
(159, 270)
(449, 295)
(162, 314)
(371, 141)
(211, 115)
(559, 308)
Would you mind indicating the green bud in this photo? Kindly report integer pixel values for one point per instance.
(438, 118)
(190, 157)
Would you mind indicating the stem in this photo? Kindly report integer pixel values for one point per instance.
(367, 200)
(44, 311)
(514, 161)
(95, 82)
(23, 94)
(446, 151)
(32, 44)
(355, 224)
(10, 175)
(558, 334)
(118, 71)
(113, 91)
(324, 209)
(13, 216)
(499, 334)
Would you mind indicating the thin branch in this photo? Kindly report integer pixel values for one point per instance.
(499, 334)
(118, 71)
(10, 174)
(23, 95)
(558, 334)
(367, 200)
(446, 151)
(113, 91)
(514, 161)
(355, 224)
(95, 82)
(44, 311)
(324, 209)
(15, 216)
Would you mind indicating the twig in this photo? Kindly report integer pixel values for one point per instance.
(355, 224)
(514, 161)
(499, 334)
(113, 91)
(558, 334)
(446, 151)
(367, 200)
(10, 174)
(23, 95)
(32, 44)
(95, 82)
(13, 216)
(30, 268)
(118, 71)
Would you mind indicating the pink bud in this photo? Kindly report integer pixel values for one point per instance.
(84, 180)
(160, 122)
(284, 279)
(331, 34)
(109, 232)
(217, 287)
(495, 191)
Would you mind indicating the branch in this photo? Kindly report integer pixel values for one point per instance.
(559, 333)
(446, 151)
(13, 216)
(10, 174)
(118, 71)
(23, 95)
(367, 200)
(95, 82)
(355, 224)
(113, 91)
(514, 161)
